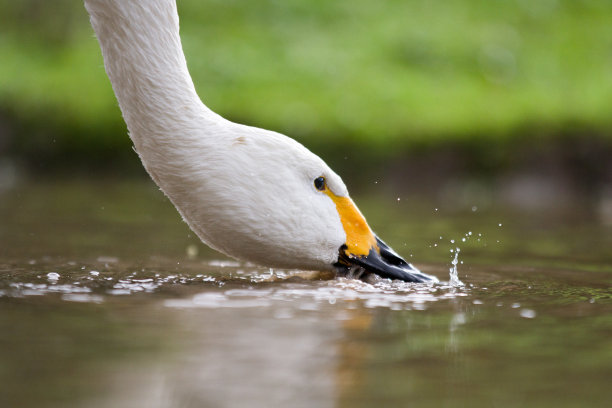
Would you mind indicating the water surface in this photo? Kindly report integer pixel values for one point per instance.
(108, 300)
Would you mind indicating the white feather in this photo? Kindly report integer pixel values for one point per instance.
(246, 192)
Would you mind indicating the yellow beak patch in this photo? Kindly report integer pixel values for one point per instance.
(359, 237)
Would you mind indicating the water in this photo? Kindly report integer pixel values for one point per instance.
(107, 300)
(453, 271)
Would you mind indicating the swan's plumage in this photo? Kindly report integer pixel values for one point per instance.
(246, 192)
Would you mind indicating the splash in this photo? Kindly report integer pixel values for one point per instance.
(453, 273)
(230, 285)
(317, 295)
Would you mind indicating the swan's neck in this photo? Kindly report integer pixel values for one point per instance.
(144, 60)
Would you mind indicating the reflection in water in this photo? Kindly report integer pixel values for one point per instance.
(457, 320)
(247, 336)
(237, 359)
(283, 344)
(233, 335)
(243, 336)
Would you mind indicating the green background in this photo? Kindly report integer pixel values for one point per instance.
(482, 78)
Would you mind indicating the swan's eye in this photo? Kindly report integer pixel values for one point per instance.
(319, 183)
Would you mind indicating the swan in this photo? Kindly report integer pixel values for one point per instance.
(253, 194)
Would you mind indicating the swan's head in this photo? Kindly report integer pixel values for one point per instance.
(273, 202)
(362, 249)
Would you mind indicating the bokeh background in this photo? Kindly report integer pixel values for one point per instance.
(479, 125)
(507, 99)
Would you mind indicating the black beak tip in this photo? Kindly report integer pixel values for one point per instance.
(386, 264)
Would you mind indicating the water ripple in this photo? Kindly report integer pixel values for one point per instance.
(235, 286)
(315, 295)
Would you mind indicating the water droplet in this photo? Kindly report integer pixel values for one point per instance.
(192, 251)
(528, 313)
(53, 276)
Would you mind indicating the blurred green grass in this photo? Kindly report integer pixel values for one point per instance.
(375, 73)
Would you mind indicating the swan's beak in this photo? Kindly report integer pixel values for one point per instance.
(386, 263)
(365, 250)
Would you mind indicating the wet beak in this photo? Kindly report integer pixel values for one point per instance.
(365, 251)
(386, 263)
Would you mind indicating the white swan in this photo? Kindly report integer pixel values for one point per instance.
(250, 193)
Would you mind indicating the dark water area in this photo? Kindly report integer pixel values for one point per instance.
(108, 300)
